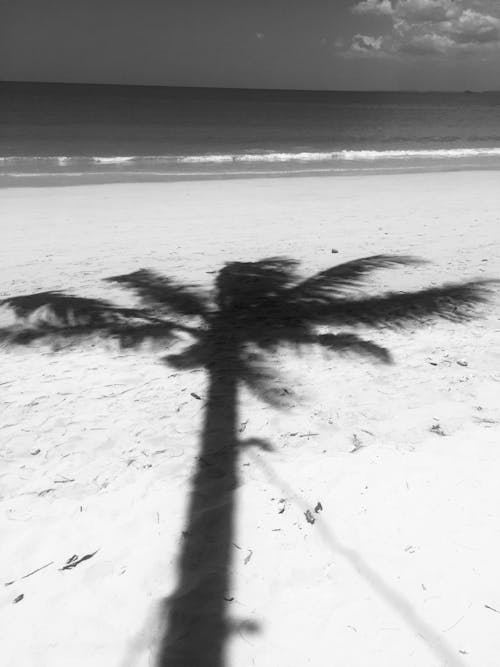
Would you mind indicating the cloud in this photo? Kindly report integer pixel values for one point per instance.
(430, 27)
(473, 27)
(365, 44)
(383, 7)
(426, 44)
(423, 11)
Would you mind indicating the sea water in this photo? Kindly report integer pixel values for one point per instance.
(127, 132)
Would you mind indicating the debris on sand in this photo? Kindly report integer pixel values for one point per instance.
(357, 443)
(25, 576)
(318, 508)
(309, 517)
(63, 480)
(18, 599)
(74, 560)
(488, 423)
(45, 492)
(492, 608)
(437, 429)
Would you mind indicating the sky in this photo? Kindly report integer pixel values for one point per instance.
(300, 44)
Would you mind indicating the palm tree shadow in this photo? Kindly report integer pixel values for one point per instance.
(256, 308)
(195, 615)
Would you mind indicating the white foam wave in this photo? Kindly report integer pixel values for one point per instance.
(117, 159)
(325, 156)
(199, 159)
(421, 153)
(347, 155)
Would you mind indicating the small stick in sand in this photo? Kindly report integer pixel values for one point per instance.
(25, 576)
(492, 608)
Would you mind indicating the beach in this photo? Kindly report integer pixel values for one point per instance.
(398, 465)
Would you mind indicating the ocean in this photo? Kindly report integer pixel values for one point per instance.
(63, 131)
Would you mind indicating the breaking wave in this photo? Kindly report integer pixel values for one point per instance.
(325, 156)
(259, 161)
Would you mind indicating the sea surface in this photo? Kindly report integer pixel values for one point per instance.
(64, 131)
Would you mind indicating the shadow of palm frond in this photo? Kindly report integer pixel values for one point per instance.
(256, 307)
(454, 302)
(336, 280)
(162, 293)
(57, 316)
(263, 304)
(66, 309)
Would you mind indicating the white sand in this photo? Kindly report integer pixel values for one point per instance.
(97, 445)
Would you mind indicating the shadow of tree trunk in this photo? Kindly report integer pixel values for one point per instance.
(196, 614)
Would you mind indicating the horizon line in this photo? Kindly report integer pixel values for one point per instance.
(245, 89)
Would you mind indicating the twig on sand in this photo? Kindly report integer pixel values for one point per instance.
(25, 576)
(492, 608)
(456, 622)
(37, 570)
(64, 480)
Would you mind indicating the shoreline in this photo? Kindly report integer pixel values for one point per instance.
(35, 180)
